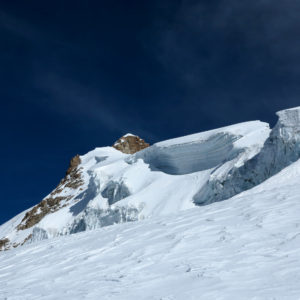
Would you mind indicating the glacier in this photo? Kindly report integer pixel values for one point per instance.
(212, 215)
(280, 150)
(107, 187)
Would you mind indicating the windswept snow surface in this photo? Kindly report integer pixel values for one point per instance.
(246, 247)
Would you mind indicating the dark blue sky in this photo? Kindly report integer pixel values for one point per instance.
(75, 75)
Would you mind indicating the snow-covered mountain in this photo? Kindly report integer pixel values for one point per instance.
(246, 247)
(107, 186)
(188, 243)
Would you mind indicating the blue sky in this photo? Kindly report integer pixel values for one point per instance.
(76, 75)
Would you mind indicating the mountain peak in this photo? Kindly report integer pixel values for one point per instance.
(130, 143)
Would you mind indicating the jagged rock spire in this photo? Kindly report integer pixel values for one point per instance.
(130, 144)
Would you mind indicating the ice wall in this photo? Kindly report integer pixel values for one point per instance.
(280, 150)
(191, 157)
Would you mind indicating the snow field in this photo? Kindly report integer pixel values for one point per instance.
(244, 248)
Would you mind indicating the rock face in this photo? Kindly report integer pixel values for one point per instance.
(54, 201)
(75, 161)
(3, 243)
(130, 144)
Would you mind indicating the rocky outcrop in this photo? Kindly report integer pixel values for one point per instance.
(74, 163)
(54, 202)
(3, 243)
(73, 178)
(45, 207)
(130, 144)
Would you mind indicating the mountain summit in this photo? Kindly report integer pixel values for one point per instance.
(130, 144)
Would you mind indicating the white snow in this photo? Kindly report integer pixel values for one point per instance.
(206, 150)
(128, 134)
(120, 187)
(240, 129)
(246, 247)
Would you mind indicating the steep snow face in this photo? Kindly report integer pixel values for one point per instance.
(243, 248)
(72, 201)
(280, 150)
(159, 180)
(131, 189)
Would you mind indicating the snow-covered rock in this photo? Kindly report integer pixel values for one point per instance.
(130, 143)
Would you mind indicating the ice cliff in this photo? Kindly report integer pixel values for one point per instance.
(280, 150)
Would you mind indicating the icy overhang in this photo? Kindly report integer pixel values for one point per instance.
(205, 150)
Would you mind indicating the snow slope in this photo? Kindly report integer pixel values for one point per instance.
(246, 247)
(113, 187)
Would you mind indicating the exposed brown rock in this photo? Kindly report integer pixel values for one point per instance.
(3, 243)
(74, 181)
(73, 176)
(130, 144)
(48, 205)
(27, 239)
(74, 163)
(51, 204)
